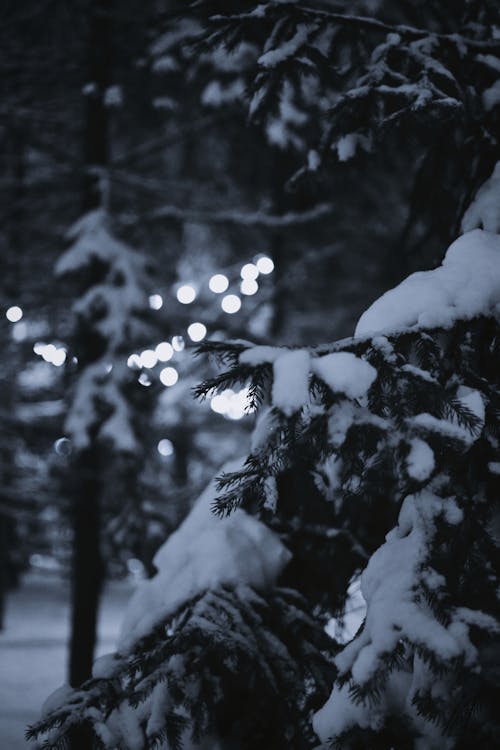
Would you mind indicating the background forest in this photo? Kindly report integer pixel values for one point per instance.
(178, 173)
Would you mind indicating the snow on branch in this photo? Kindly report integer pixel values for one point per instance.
(238, 218)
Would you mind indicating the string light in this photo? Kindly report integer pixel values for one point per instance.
(197, 331)
(156, 301)
(231, 303)
(186, 294)
(14, 314)
(249, 287)
(144, 380)
(169, 376)
(218, 283)
(265, 265)
(164, 351)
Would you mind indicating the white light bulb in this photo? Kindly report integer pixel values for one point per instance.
(265, 265)
(231, 303)
(249, 271)
(197, 331)
(186, 294)
(39, 348)
(14, 314)
(149, 358)
(249, 287)
(218, 283)
(144, 379)
(164, 351)
(169, 376)
(165, 447)
(156, 301)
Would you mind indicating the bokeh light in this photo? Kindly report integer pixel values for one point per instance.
(14, 314)
(164, 351)
(249, 287)
(218, 283)
(249, 271)
(149, 359)
(231, 303)
(178, 343)
(165, 447)
(169, 376)
(265, 265)
(156, 301)
(197, 331)
(186, 294)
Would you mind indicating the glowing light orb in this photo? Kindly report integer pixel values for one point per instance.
(265, 265)
(149, 359)
(186, 294)
(218, 283)
(156, 301)
(178, 343)
(231, 303)
(134, 362)
(164, 351)
(59, 357)
(14, 314)
(144, 380)
(197, 331)
(249, 271)
(165, 447)
(169, 376)
(62, 446)
(249, 287)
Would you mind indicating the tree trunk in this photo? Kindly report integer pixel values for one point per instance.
(87, 574)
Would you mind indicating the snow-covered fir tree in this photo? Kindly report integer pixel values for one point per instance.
(397, 426)
(374, 460)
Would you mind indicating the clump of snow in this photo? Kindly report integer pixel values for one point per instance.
(344, 372)
(466, 285)
(348, 144)
(396, 610)
(491, 96)
(484, 211)
(273, 57)
(260, 355)
(420, 460)
(291, 381)
(203, 553)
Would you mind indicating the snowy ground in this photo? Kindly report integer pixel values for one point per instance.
(33, 649)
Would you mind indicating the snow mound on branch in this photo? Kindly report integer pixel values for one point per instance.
(345, 372)
(396, 611)
(484, 211)
(203, 553)
(467, 284)
(291, 381)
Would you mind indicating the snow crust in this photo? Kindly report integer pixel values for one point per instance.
(466, 285)
(203, 553)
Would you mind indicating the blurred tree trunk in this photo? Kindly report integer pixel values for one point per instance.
(88, 567)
